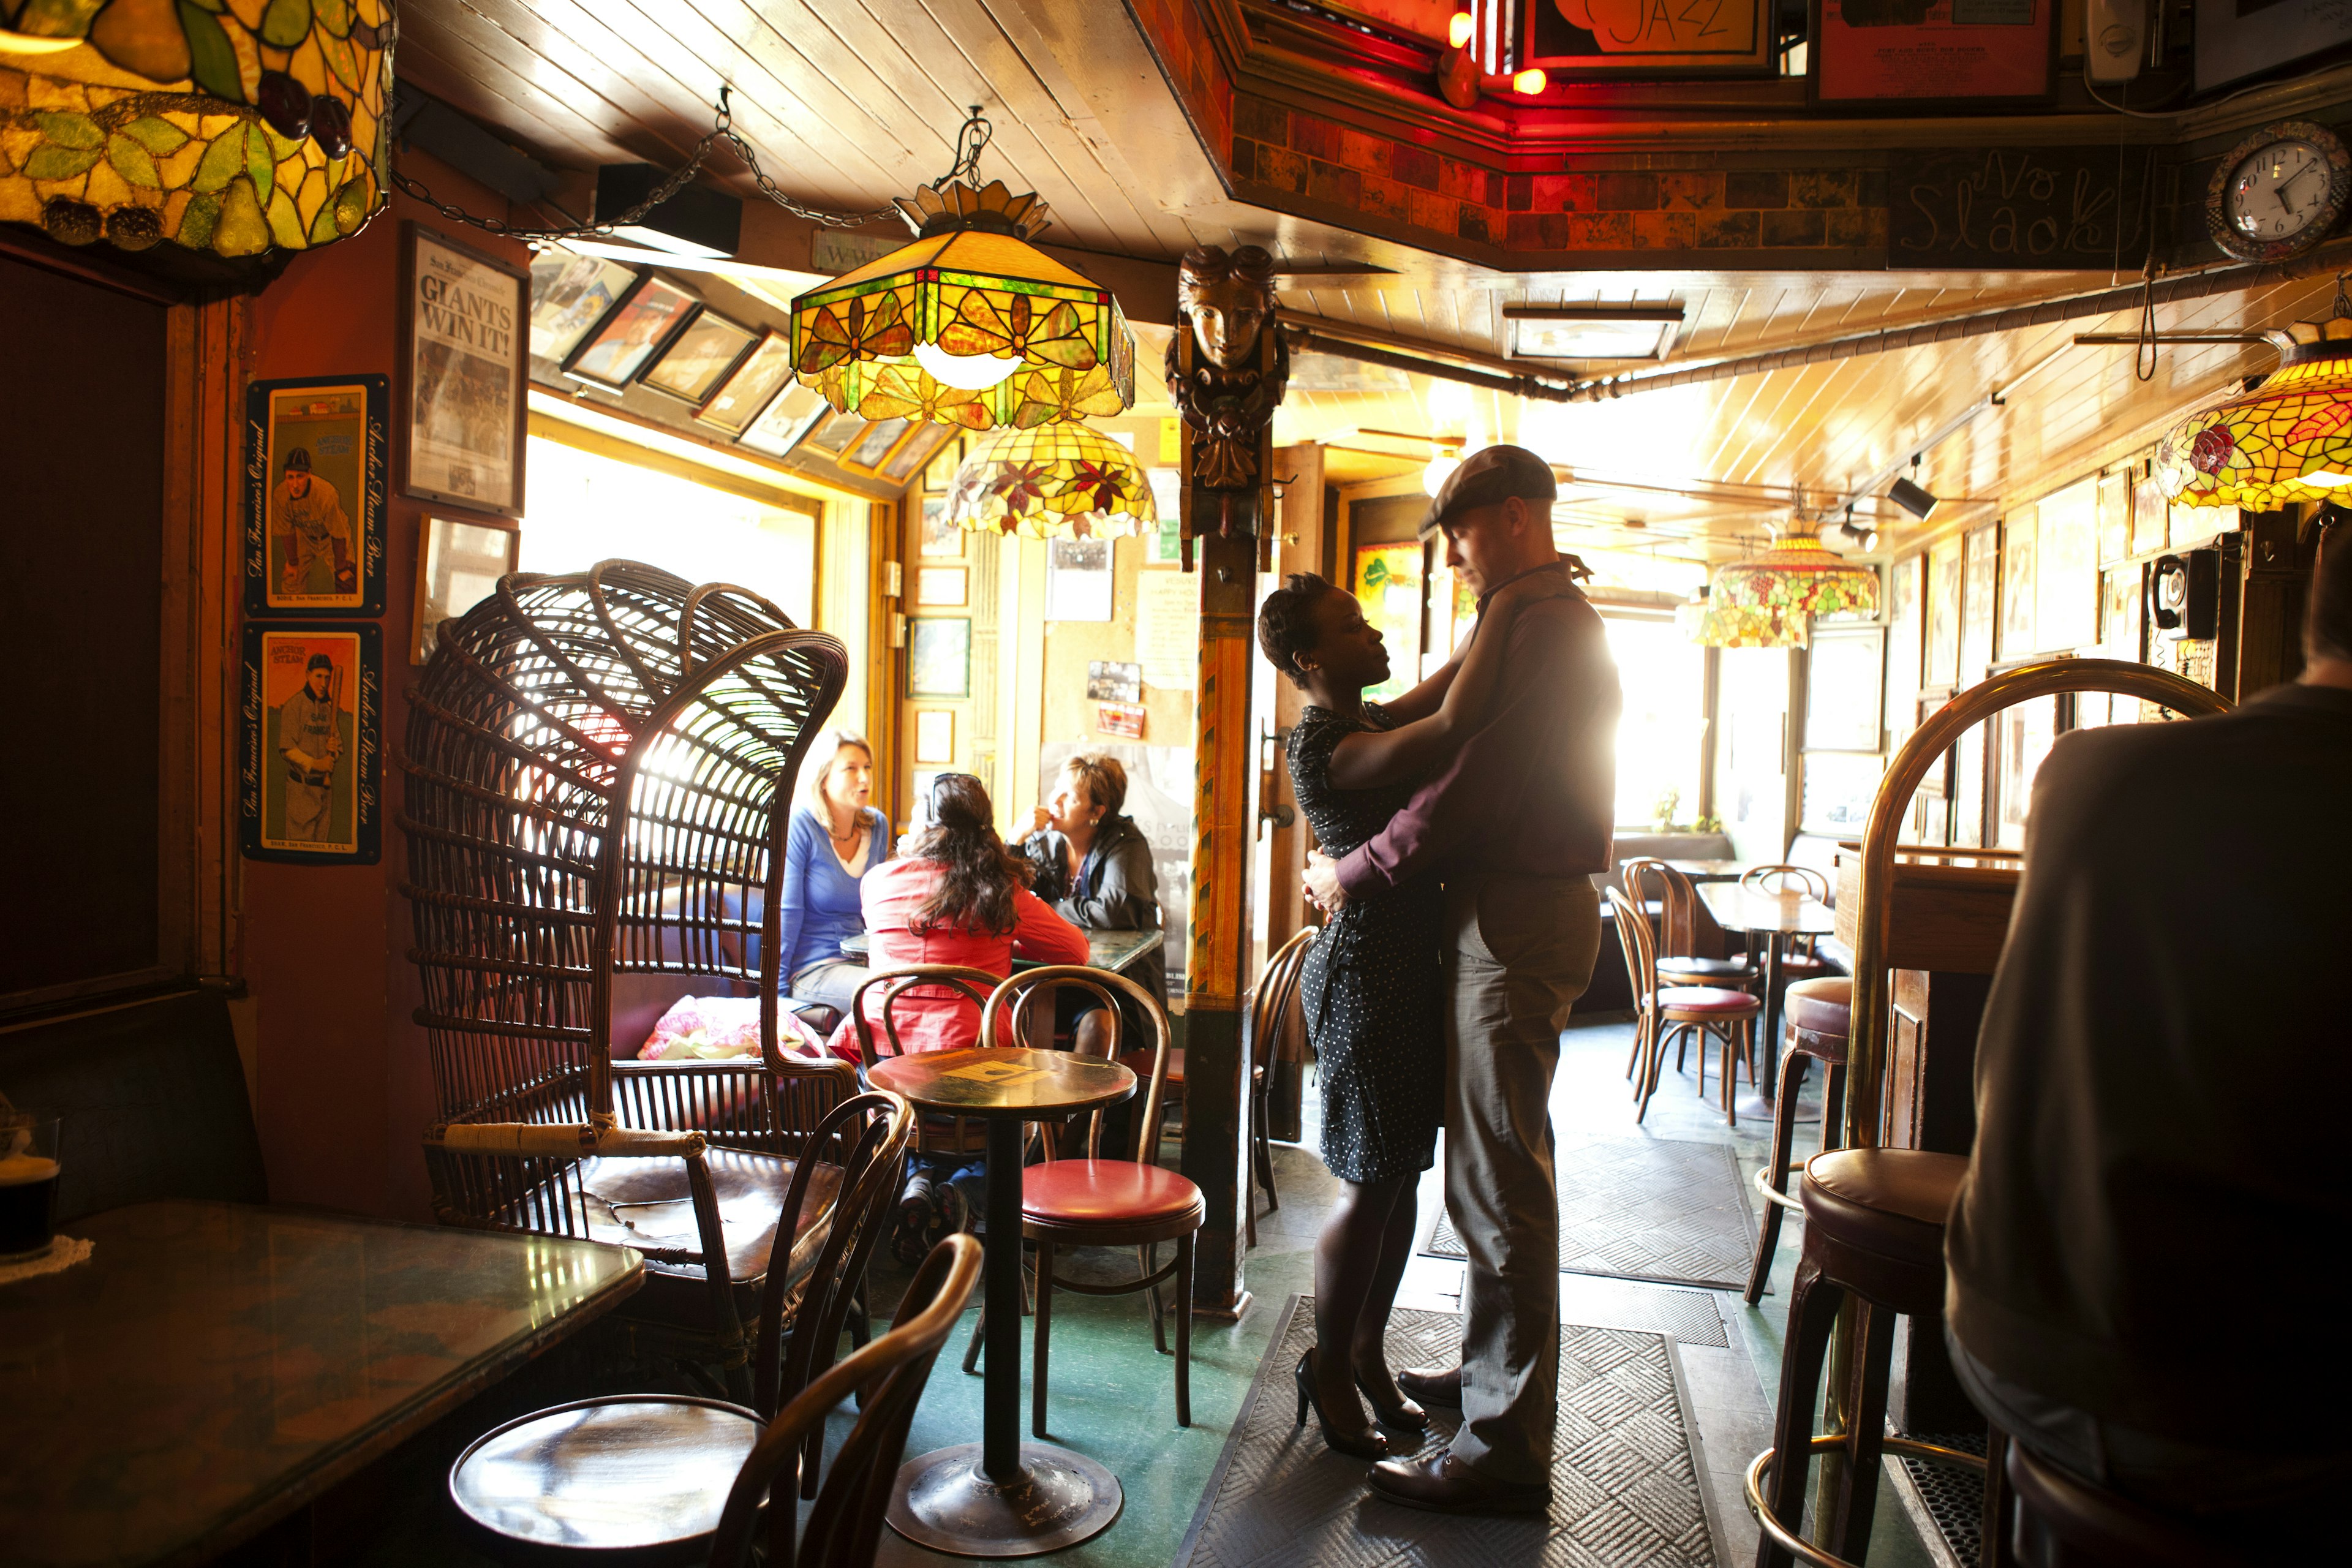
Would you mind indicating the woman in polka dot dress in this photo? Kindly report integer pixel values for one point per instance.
(1372, 988)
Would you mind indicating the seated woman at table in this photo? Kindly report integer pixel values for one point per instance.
(1093, 864)
(957, 896)
(836, 838)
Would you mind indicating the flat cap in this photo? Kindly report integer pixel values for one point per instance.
(1489, 475)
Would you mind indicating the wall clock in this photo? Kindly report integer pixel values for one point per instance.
(2278, 192)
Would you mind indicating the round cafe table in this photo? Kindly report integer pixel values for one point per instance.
(1001, 1496)
(1774, 917)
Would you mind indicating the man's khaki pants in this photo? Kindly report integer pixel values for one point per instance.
(1519, 949)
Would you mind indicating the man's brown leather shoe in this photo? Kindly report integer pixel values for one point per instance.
(1431, 1386)
(1443, 1484)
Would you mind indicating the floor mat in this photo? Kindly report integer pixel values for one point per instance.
(1646, 1208)
(1625, 1476)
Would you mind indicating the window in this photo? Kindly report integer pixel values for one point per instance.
(585, 507)
(1661, 737)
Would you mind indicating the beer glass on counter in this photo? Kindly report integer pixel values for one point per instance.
(28, 1183)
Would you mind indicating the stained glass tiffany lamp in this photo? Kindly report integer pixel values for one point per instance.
(969, 325)
(1064, 479)
(1772, 599)
(222, 125)
(2289, 440)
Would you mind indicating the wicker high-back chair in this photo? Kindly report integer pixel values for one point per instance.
(600, 769)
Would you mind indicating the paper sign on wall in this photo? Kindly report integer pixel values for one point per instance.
(1167, 629)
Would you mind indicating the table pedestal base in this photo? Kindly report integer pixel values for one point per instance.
(943, 1501)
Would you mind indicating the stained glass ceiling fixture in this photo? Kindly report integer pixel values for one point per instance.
(969, 324)
(1063, 480)
(1771, 600)
(2290, 439)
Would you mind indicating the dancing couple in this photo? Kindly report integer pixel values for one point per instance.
(1459, 826)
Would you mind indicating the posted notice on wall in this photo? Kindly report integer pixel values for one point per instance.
(1168, 628)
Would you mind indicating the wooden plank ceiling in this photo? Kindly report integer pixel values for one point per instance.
(850, 102)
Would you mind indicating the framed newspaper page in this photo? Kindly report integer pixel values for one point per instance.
(466, 331)
(314, 501)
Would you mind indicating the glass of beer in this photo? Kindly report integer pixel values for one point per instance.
(28, 1183)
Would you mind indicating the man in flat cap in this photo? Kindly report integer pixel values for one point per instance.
(1516, 826)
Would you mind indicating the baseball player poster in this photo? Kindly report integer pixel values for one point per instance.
(309, 772)
(314, 497)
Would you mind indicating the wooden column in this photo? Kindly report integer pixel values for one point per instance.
(1216, 1067)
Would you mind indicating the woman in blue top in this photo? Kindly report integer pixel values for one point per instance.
(836, 838)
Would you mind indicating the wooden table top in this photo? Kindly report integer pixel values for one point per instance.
(1112, 950)
(215, 1366)
(1736, 908)
(1003, 1080)
(1713, 870)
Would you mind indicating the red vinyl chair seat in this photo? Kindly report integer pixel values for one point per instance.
(1707, 999)
(1105, 1192)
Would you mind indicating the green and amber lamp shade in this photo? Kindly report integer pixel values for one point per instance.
(2289, 440)
(1063, 480)
(969, 325)
(229, 126)
(1771, 600)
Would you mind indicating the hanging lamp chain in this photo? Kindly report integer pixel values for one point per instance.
(970, 140)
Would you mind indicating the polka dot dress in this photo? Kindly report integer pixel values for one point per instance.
(1373, 987)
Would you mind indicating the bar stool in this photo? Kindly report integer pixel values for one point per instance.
(1818, 1015)
(1874, 1230)
(2065, 1522)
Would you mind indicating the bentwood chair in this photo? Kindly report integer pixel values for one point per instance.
(1089, 1200)
(1649, 881)
(1273, 1004)
(1800, 963)
(1673, 1012)
(875, 1003)
(643, 1476)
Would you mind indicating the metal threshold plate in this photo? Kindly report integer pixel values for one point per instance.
(942, 1501)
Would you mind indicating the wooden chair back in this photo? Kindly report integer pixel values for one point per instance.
(1640, 949)
(845, 1527)
(1648, 879)
(1013, 1000)
(940, 1135)
(1277, 994)
(1774, 881)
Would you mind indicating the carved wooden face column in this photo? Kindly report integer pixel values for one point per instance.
(1227, 367)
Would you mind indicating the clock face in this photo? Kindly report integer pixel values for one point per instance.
(2279, 192)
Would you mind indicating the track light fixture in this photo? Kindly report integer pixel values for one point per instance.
(1911, 495)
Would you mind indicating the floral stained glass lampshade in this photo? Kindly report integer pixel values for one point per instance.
(2289, 440)
(229, 126)
(1063, 480)
(1771, 600)
(968, 326)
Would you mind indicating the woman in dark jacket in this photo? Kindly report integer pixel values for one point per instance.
(1094, 866)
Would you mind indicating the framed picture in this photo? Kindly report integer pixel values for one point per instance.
(785, 422)
(1079, 580)
(697, 360)
(914, 454)
(751, 387)
(310, 785)
(873, 446)
(2149, 509)
(938, 474)
(314, 496)
(2067, 569)
(1969, 788)
(1980, 573)
(934, 737)
(458, 565)
(833, 436)
(939, 656)
(2024, 734)
(1844, 690)
(2236, 39)
(569, 295)
(1944, 613)
(467, 364)
(1839, 787)
(1579, 39)
(1953, 54)
(2115, 518)
(2119, 614)
(948, 587)
(649, 314)
(2016, 585)
(939, 537)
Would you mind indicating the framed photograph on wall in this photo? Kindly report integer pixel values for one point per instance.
(2149, 513)
(751, 387)
(459, 563)
(934, 737)
(468, 355)
(2066, 570)
(569, 295)
(1952, 54)
(947, 587)
(2017, 540)
(647, 316)
(939, 537)
(938, 474)
(1845, 690)
(785, 422)
(314, 496)
(310, 761)
(698, 360)
(1979, 591)
(1944, 577)
(1839, 787)
(2115, 517)
(939, 656)
(915, 453)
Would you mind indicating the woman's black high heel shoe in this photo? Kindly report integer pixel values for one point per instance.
(1370, 1446)
(1404, 1415)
